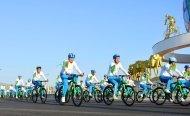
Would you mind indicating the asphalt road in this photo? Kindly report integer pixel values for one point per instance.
(12, 107)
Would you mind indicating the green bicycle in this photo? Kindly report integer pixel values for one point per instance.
(183, 93)
(97, 93)
(40, 91)
(75, 92)
(20, 93)
(160, 96)
(147, 94)
(127, 93)
(29, 94)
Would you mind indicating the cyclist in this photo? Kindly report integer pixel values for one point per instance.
(167, 73)
(145, 83)
(29, 86)
(19, 83)
(186, 80)
(11, 90)
(37, 76)
(66, 73)
(58, 82)
(113, 73)
(130, 82)
(103, 83)
(90, 80)
(82, 84)
(2, 90)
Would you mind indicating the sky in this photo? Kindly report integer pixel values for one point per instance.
(43, 32)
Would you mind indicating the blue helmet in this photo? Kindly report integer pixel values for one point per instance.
(186, 66)
(172, 59)
(145, 74)
(29, 80)
(115, 56)
(71, 55)
(93, 71)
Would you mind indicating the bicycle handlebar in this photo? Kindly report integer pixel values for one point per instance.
(123, 75)
(76, 75)
(42, 81)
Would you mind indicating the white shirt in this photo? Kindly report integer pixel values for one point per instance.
(19, 82)
(130, 82)
(37, 76)
(185, 77)
(114, 69)
(165, 71)
(29, 84)
(104, 82)
(90, 78)
(68, 67)
(12, 88)
(82, 85)
(59, 80)
(144, 80)
(3, 87)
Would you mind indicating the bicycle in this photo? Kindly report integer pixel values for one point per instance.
(57, 93)
(96, 92)
(40, 91)
(127, 93)
(2, 94)
(160, 96)
(20, 93)
(29, 94)
(148, 94)
(183, 92)
(75, 92)
(11, 94)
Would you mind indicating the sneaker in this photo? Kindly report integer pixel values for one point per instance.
(63, 99)
(16, 97)
(26, 95)
(167, 90)
(182, 100)
(171, 100)
(141, 96)
(119, 93)
(43, 97)
(114, 97)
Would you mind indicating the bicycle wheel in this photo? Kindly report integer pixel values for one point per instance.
(184, 94)
(159, 96)
(60, 96)
(128, 95)
(29, 95)
(43, 95)
(139, 97)
(67, 98)
(77, 95)
(108, 95)
(98, 96)
(21, 96)
(174, 97)
(56, 96)
(34, 96)
(150, 97)
(86, 96)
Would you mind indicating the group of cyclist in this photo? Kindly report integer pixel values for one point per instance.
(24, 87)
(168, 72)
